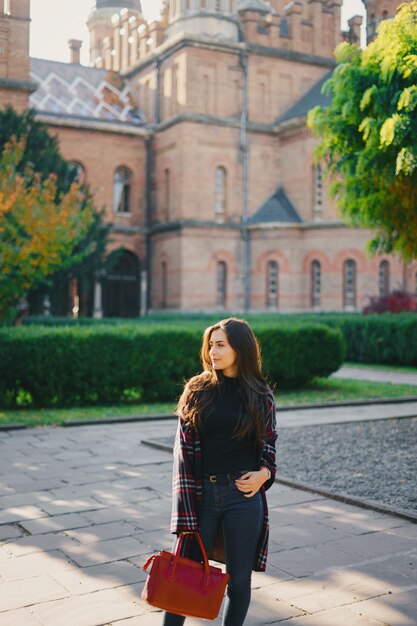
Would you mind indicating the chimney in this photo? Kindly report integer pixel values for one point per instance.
(75, 47)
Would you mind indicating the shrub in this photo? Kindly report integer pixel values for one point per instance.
(386, 339)
(395, 302)
(67, 366)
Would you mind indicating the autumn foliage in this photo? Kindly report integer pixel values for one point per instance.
(39, 226)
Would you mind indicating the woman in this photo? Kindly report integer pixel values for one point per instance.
(224, 461)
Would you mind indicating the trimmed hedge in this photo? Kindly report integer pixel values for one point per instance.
(387, 338)
(103, 364)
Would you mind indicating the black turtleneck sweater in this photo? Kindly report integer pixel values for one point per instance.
(223, 453)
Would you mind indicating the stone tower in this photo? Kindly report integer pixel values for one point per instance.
(104, 19)
(214, 18)
(378, 10)
(15, 86)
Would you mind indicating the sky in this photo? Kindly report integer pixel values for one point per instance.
(54, 22)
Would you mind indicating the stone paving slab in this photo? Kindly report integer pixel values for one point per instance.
(78, 562)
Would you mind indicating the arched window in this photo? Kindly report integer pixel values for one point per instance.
(272, 284)
(349, 284)
(384, 278)
(318, 193)
(164, 285)
(221, 287)
(167, 180)
(121, 190)
(284, 30)
(315, 284)
(80, 175)
(220, 191)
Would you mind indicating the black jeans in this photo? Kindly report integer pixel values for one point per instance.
(241, 519)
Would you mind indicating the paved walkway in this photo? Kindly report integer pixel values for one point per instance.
(376, 375)
(338, 414)
(82, 508)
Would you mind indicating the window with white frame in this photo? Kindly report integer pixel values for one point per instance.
(318, 193)
(221, 287)
(272, 284)
(121, 190)
(220, 191)
(349, 284)
(383, 278)
(316, 284)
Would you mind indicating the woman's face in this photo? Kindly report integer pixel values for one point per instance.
(222, 355)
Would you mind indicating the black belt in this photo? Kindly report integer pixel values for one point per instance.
(224, 478)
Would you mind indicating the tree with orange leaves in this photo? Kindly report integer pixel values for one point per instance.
(40, 227)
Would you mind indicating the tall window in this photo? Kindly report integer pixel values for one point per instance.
(6, 8)
(315, 284)
(318, 193)
(164, 285)
(206, 94)
(272, 284)
(221, 291)
(80, 175)
(167, 181)
(262, 99)
(383, 278)
(220, 191)
(349, 284)
(121, 190)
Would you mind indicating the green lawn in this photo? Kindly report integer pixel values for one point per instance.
(322, 391)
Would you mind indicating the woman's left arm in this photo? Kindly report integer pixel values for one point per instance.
(251, 482)
(268, 449)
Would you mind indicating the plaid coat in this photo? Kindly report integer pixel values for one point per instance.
(188, 484)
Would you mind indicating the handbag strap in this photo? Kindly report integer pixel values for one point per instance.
(205, 558)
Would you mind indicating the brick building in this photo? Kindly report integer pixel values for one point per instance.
(191, 131)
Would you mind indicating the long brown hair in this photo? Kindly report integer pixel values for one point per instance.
(199, 391)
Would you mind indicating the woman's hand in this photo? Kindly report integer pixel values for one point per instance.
(251, 482)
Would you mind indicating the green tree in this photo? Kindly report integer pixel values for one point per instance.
(40, 228)
(41, 150)
(369, 134)
(39, 159)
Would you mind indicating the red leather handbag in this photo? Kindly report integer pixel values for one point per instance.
(183, 586)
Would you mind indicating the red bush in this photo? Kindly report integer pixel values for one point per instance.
(396, 302)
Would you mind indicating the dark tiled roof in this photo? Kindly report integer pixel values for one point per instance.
(278, 208)
(312, 98)
(87, 92)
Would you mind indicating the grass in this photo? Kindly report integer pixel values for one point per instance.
(321, 391)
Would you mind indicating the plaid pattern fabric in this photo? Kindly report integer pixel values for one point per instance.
(188, 480)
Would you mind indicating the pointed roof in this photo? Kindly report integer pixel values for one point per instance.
(278, 208)
(312, 98)
(253, 5)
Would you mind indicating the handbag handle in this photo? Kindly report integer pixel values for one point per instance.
(205, 558)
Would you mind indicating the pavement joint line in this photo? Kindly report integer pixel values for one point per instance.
(172, 416)
(314, 489)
